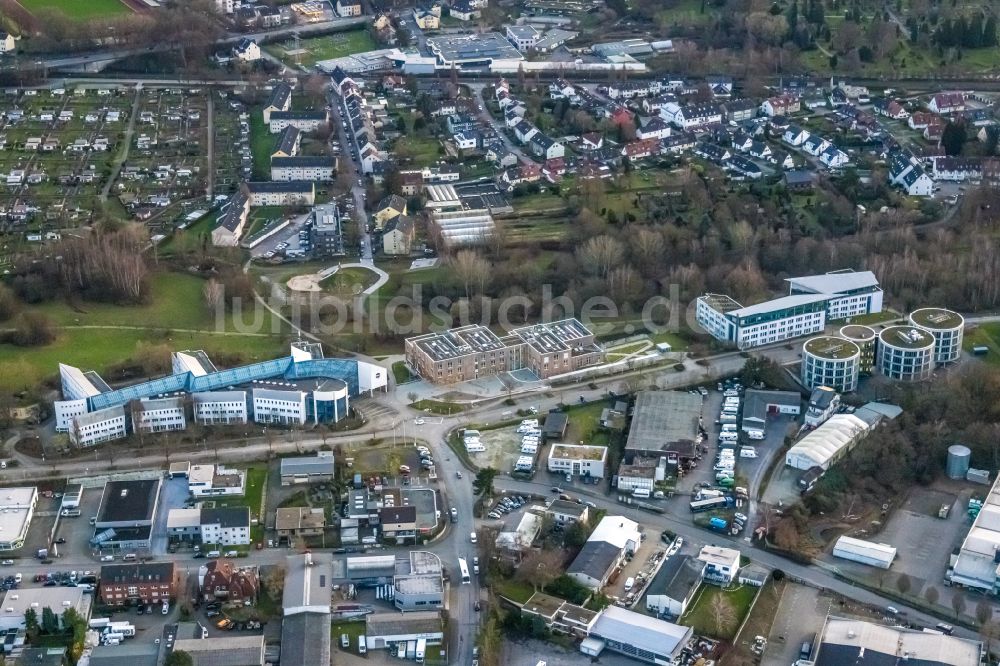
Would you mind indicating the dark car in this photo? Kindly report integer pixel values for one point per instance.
(61, 540)
(49, 583)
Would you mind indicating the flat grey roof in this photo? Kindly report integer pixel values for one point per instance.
(756, 402)
(662, 417)
(641, 631)
(396, 624)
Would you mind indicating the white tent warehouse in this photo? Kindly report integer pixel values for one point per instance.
(873, 554)
(831, 441)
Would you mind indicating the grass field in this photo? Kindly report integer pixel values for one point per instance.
(349, 281)
(987, 335)
(80, 10)
(97, 349)
(701, 617)
(254, 497)
(95, 336)
(261, 145)
(327, 47)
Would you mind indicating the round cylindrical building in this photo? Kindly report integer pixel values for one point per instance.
(946, 327)
(830, 361)
(958, 461)
(867, 340)
(905, 353)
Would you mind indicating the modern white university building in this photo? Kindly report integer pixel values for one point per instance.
(812, 302)
(301, 388)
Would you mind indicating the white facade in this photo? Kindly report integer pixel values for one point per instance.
(17, 508)
(721, 564)
(282, 407)
(104, 425)
(578, 460)
(303, 124)
(215, 480)
(220, 407)
(66, 411)
(873, 554)
(225, 536)
(829, 361)
(161, 415)
(346, 8)
(905, 353)
(319, 173)
(946, 326)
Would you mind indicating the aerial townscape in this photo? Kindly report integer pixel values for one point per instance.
(499, 332)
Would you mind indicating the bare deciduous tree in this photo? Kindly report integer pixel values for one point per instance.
(723, 614)
(472, 270)
(600, 254)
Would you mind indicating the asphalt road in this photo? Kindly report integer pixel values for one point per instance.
(353, 167)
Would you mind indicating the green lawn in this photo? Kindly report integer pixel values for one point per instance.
(349, 281)
(515, 590)
(254, 496)
(80, 10)
(261, 146)
(701, 617)
(438, 407)
(987, 335)
(401, 373)
(327, 47)
(584, 424)
(352, 629)
(97, 349)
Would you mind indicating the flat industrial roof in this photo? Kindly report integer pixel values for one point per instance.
(849, 642)
(472, 48)
(644, 632)
(662, 417)
(129, 501)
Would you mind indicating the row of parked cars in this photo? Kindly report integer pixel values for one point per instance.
(505, 505)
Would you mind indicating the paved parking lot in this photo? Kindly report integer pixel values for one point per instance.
(924, 559)
(78, 531)
(646, 561)
(801, 614)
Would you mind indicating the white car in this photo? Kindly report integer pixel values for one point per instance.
(756, 435)
(740, 517)
(418, 421)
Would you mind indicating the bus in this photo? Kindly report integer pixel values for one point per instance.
(464, 566)
(709, 504)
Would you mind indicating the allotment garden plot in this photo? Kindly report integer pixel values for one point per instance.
(56, 152)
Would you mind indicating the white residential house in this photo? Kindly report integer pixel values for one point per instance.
(655, 128)
(7, 43)
(721, 564)
(690, 116)
(834, 157)
(246, 50)
(815, 145)
(795, 136)
(524, 131)
(346, 8)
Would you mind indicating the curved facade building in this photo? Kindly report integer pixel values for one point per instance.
(946, 327)
(867, 341)
(905, 353)
(830, 361)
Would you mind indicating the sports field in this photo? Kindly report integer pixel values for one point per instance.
(80, 10)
